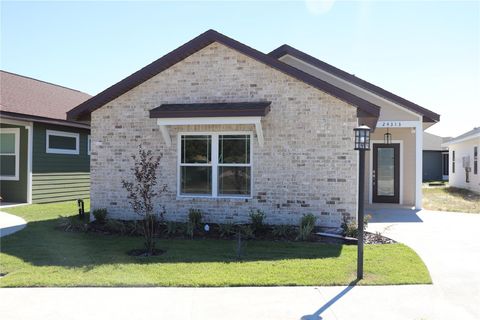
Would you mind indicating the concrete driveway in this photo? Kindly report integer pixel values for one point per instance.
(449, 244)
(446, 241)
(10, 224)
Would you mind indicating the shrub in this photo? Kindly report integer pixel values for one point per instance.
(190, 229)
(115, 226)
(134, 227)
(100, 215)
(171, 228)
(72, 223)
(350, 229)
(257, 218)
(246, 231)
(226, 230)
(195, 217)
(282, 231)
(307, 225)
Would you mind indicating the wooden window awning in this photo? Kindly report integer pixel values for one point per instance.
(210, 114)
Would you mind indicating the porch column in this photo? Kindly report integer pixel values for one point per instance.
(418, 164)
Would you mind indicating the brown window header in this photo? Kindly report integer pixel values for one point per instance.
(192, 110)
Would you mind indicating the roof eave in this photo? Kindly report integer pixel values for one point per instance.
(428, 115)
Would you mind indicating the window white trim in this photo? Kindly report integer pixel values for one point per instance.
(16, 132)
(89, 144)
(62, 134)
(214, 164)
(165, 122)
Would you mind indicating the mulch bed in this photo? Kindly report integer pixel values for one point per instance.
(143, 253)
(132, 228)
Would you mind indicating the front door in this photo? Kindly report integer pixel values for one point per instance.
(386, 172)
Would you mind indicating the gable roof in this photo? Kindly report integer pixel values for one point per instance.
(83, 110)
(32, 98)
(474, 133)
(428, 116)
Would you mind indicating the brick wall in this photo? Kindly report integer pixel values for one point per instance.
(307, 164)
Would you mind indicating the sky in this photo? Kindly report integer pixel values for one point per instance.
(425, 51)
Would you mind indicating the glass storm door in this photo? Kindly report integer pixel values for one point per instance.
(386, 173)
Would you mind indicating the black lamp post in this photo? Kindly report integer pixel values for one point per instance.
(362, 143)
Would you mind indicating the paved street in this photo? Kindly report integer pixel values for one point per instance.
(446, 241)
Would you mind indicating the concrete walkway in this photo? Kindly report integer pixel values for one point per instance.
(10, 224)
(446, 241)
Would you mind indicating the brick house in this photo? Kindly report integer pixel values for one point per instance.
(239, 130)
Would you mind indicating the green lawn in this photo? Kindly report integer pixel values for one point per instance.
(40, 255)
(451, 199)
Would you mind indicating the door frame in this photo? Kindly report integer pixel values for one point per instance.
(370, 178)
(445, 176)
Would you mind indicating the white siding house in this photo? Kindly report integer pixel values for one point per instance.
(463, 151)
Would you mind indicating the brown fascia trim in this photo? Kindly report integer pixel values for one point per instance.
(84, 109)
(428, 116)
(194, 110)
(31, 118)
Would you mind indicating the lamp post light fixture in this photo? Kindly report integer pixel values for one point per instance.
(362, 144)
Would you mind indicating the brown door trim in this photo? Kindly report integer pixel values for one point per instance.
(395, 198)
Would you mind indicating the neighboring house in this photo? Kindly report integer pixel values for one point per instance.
(435, 158)
(43, 156)
(239, 130)
(464, 170)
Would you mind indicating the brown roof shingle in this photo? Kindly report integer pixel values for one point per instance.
(24, 95)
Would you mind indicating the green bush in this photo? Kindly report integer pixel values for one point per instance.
(72, 223)
(282, 231)
(134, 227)
(190, 229)
(226, 230)
(350, 229)
(195, 217)
(115, 226)
(257, 218)
(246, 231)
(307, 225)
(171, 229)
(100, 215)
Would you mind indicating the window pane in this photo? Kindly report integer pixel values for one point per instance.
(234, 181)
(60, 142)
(7, 143)
(234, 149)
(196, 180)
(196, 149)
(7, 165)
(386, 172)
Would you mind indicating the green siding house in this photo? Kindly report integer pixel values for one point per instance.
(43, 157)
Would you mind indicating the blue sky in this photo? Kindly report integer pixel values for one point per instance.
(426, 51)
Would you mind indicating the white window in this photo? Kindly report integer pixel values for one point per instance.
(215, 164)
(89, 144)
(62, 142)
(9, 153)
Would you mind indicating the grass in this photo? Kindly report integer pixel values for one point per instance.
(40, 255)
(451, 199)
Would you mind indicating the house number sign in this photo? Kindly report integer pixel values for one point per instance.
(390, 124)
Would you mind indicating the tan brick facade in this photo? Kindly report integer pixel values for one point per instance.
(307, 164)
